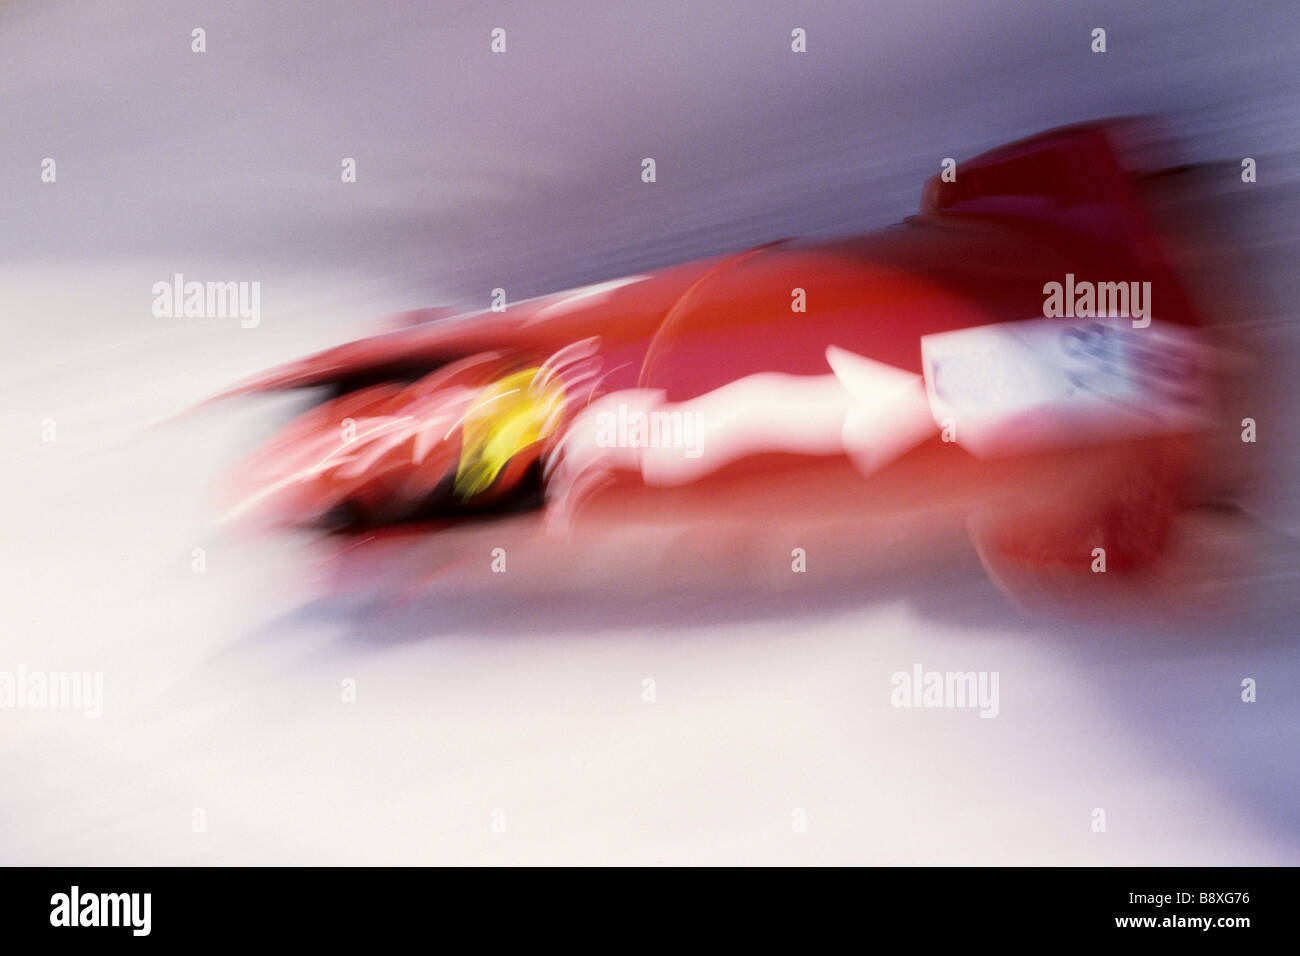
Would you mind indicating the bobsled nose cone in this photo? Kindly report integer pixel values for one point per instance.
(460, 439)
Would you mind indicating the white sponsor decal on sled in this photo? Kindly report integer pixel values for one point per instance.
(1018, 386)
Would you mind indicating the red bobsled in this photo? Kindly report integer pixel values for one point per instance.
(1019, 359)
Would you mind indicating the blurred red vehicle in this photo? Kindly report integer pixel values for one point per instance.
(885, 387)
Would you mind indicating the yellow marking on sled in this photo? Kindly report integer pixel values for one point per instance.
(508, 416)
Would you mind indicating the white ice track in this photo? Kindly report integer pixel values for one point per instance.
(223, 688)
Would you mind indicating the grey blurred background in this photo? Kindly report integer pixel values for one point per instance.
(522, 171)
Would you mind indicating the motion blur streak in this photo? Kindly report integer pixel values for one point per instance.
(683, 711)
